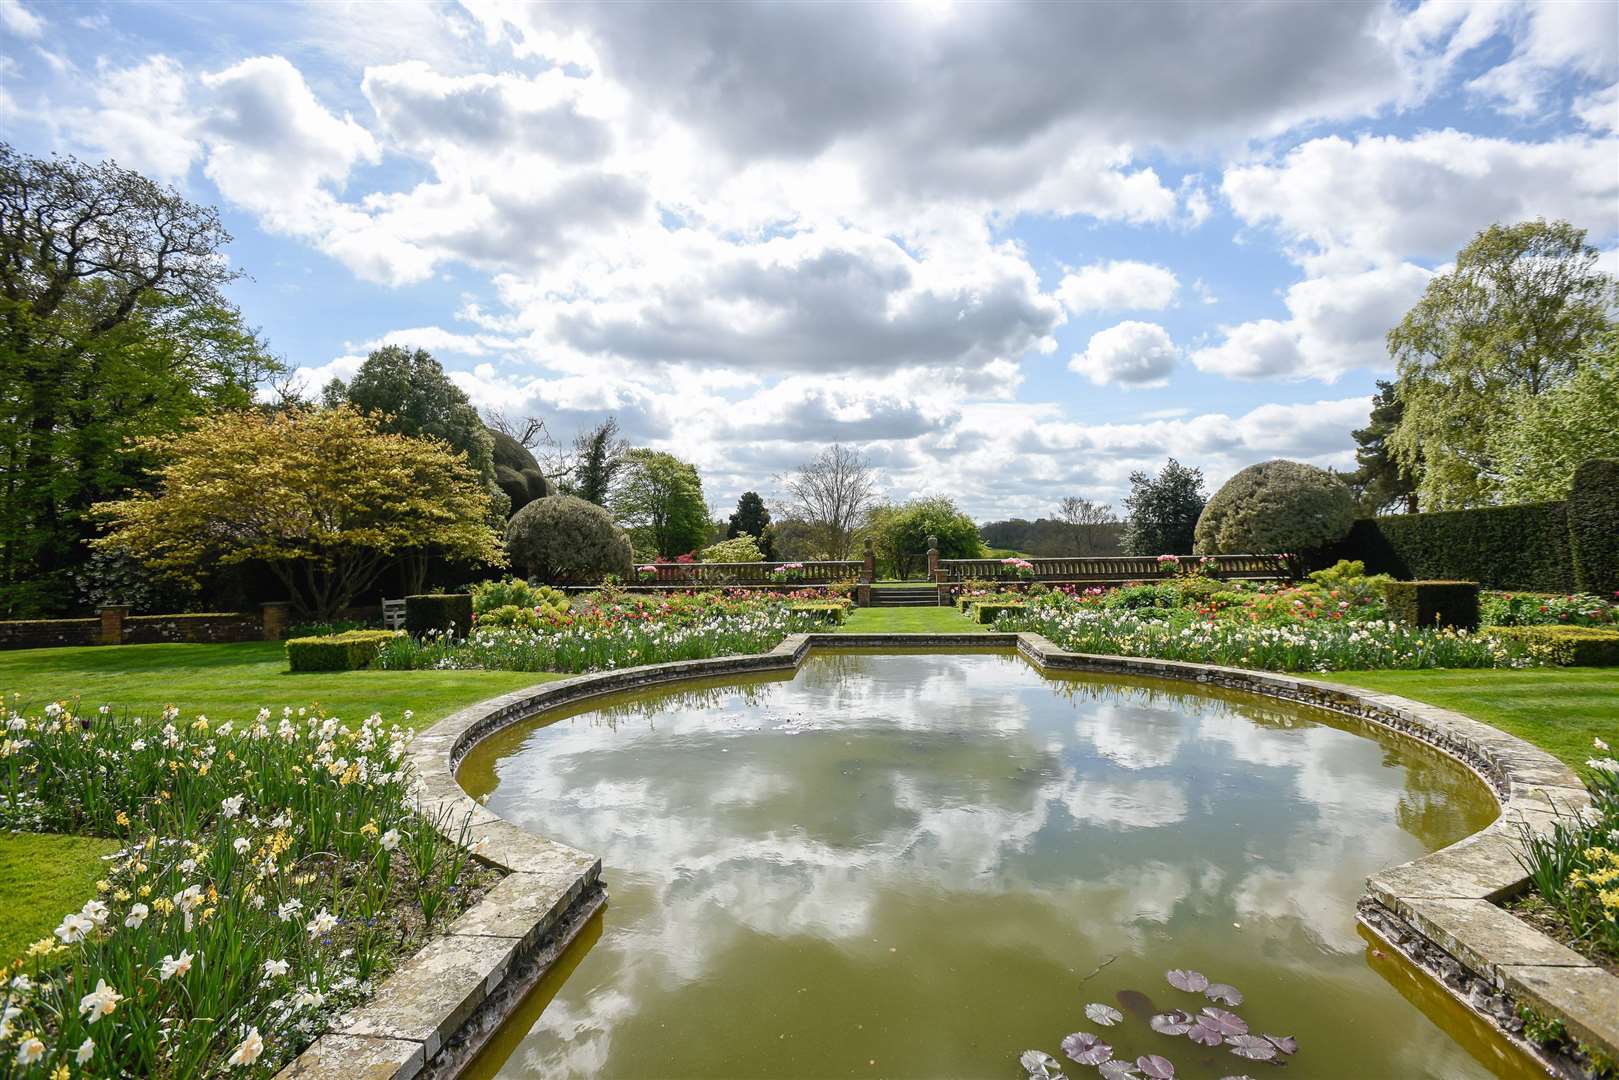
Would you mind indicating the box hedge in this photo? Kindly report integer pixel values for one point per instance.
(1431, 603)
(439, 613)
(1593, 525)
(986, 611)
(829, 612)
(1566, 646)
(348, 651)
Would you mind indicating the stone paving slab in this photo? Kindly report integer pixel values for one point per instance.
(1485, 937)
(1586, 999)
(433, 992)
(356, 1057)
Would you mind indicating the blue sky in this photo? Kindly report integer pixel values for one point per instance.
(1012, 251)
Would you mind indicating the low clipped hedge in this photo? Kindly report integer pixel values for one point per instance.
(986, 611)
(348, 651)
(439, 613)
(1593, 525)
(1433, 603)
(1565, 646)
(831, 613)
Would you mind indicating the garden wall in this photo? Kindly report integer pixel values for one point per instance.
(114, 626)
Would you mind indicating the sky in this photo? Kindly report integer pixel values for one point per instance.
(1012, 251)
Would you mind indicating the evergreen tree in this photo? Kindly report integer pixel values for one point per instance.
(1162, 511)
(753, 519)
(599, 456)
(1381, 481)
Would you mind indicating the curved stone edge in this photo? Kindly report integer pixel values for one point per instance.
(527, 920)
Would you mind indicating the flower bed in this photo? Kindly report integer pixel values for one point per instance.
(616, 630)
(270, 874)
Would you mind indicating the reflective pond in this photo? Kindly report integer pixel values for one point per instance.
(923, 864)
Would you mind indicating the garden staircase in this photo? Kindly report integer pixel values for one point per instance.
(905, 596)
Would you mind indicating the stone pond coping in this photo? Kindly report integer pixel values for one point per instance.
(422, 1011)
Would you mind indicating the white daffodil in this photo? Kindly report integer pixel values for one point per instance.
(86, 1051)
(29, 1051)
(241, 844)
(287, 910)
(275, 968)
(99, 1002)
(95, 911)
(175, 965)
(232, 806)
(73, 929)
(1600, 745)
(390, 840)
(249, 1051)
(137, 915)
(323, 923)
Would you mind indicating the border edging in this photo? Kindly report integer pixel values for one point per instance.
(556, 881)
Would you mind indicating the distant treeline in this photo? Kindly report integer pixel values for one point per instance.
(1051, 537)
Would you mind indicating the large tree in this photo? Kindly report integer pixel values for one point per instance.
(112, 325)
(1162, 510)
(752, 519)
(1381, 480)
(600, 456)
(900, 534)
(1508, 324)
(832, 494)
(322, 497)
(660, 501)
(1553, 433)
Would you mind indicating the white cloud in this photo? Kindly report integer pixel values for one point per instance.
(19, 20)
(1552, 41)
(1123, 285)
(141, 118)
(1344, 205)
(1338, 324)
(1132, 353)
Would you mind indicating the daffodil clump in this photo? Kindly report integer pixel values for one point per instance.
(270, 874)
(1575, 868)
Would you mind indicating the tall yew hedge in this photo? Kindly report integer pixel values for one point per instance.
(1593, 525)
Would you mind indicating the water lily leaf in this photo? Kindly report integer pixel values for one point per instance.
(1106, 1015)
(1085, 1048)
(1173, 1022)
(1226, 1023)
(1119, 1069)
(1192, 981)
(1038, 1063)
(1224, 993)
(1251, 1047)
(1244, 1076)
(1287, 1044)
(1158, 1068)
(1205, 1033)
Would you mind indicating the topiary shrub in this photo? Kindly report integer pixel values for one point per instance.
(1593, 526)
(740, 548)
(1275, 507)
(348, 651)
(1565, 646)
(517, 472)
(439, 613)
(1431, 603)
(985, 612)
(563, 540)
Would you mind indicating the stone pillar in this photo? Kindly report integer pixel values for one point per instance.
(112, 624)
(933, 559)
(862, 594)
(868, 573)
(273, 619)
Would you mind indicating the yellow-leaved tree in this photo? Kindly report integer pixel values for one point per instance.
(321, 496)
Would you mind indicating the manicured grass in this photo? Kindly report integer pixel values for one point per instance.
(231, 682)
(909, 620)
(42, 878)
(1560, 710)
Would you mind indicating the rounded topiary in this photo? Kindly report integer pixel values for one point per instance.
(563, 540)
(517, 472)
(1275, 507)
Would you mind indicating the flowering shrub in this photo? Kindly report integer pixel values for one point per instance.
(1021, 568)
(1575, 868)
(620, 631)
(787, 573)
(269, 875)
(1321, 645)
(1540, 609)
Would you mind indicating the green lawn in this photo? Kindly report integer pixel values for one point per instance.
(42, 878)
(1557, 709)
(231, 682)
(909, 620)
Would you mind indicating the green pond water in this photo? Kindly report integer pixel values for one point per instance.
(924, 864)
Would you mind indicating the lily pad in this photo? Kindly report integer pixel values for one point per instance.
(1206, 1034)
(1287, 1044)
(1191, 981)
(1251, 1047)
(1158, 1068)
(1119, 1069)
(1224, 993)
(1085, 1048)
(1106, 1015)
(1226, 1023)
(1173, 1022)
(1038, 1063)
